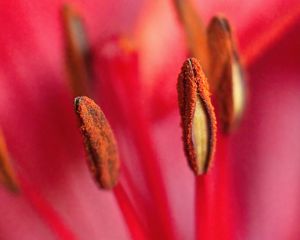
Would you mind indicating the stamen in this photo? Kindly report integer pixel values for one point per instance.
(7, 174)
(78, 57)
(99, 141)
(219, 43)
(195, 32)
(122, 87)
(197, 116)
(227, 78)
(205, 206)
(133, 222)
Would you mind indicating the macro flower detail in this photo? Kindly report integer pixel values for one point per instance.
(198, 119)
(99, 141)
(125, 57)
(215, 49)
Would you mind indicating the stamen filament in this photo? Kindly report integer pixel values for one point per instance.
(123, 83)
(215, 207)
(131, 218)
(224, 204)
(154, 178)
(205, 199)
(46, 212)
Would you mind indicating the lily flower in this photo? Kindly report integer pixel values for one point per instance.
(127, 58)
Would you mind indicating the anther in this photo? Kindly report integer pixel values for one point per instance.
(226, 75)
(78, 57)
(100, 143)
(197, 116)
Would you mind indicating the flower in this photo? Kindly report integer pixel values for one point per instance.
(58, 198)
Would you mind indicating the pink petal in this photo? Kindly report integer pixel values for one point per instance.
(266, 158)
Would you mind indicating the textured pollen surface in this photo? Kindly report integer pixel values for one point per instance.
(99, 142)
(192, 86)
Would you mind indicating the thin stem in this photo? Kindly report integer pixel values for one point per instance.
(215, 208)
(152, 172)
(46, 212)
(132, 220)
(205, 207)
(224, 204)
(121, 79)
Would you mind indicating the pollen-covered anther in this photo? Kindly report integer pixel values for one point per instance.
(100, 143)
(197, 116)
(226, 76)
(77, 50)
(7, 174)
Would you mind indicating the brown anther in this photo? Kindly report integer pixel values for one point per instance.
(198, 119)
(78, 57)
(7, 174)
(195, 32)
(99, 142)
(220, 47)
(226, 75)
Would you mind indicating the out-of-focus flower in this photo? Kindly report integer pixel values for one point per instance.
(135, 86)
